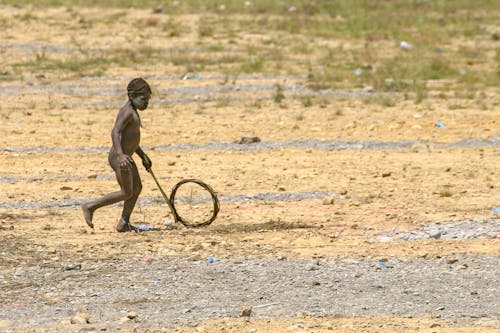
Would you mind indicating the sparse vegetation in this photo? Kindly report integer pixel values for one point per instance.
(278, 95)
(435, 30)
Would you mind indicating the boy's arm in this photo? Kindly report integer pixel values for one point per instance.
(145, 159)
(121, 122)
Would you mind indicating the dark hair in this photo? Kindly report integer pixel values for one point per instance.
(138, 86)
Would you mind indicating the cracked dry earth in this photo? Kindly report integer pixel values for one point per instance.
(366, 220)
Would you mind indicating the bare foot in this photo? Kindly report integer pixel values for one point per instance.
(124, 226)
(87, 215)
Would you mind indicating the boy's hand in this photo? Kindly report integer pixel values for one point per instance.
(125, 162)
(146, 162)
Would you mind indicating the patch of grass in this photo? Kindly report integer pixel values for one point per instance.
(307, 101)
(303, 47)
(73, 64)
(419, 88)
(28, 16)
(386, 101)
(281, 39)
(253, 64)
(206, 29)
(221, 103)
(174, 28)
(278, 95)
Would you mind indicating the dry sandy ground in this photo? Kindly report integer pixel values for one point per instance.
(53, 156)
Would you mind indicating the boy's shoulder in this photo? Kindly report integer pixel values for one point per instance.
(126, 110)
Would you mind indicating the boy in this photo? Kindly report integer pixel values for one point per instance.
(126, 135)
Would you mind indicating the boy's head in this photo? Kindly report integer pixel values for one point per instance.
(138, 86)
(139, 93)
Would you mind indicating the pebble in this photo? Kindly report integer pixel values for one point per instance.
(368, 89)
(132, 315)
(462, 229)
(312, 268)
(4, 323)
(245, 140)
(79, 319)
(436, 234)
(328, 201)
(246, 311)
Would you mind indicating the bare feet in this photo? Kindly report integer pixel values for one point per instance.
(88, 214)
(124, 226)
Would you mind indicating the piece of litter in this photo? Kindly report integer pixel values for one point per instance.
(211, 260)
(191, 76)
(405, 45)
(144, 227)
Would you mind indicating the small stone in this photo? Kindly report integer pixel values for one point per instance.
(343, 192)
(312, 267)
(76, 267)
(436, 234)
(158, 9)
(386, 174)
(246, 311)
(451, 261)
(248, 140)
(78, 319)
(132, 315)
(328, 201)
(4, 323)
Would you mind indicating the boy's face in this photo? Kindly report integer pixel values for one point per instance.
(141, 101)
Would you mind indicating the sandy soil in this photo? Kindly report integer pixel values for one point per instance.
(343, 201)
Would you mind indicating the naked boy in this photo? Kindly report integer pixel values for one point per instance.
(126, 136)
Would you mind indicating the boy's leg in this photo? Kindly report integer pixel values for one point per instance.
(125, 180)
(129, 204)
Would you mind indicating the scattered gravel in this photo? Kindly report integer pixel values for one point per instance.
(172, 292)
(463, 230)
(275, 145)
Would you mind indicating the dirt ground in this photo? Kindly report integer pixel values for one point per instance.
(55, 136)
